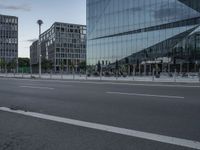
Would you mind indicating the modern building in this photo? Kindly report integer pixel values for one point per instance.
(34, 57)
(144, 32)
(8, 38)
(63, 44)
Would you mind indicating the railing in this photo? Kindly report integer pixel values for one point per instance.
(163, 77)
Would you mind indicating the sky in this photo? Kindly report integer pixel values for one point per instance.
(50, 11)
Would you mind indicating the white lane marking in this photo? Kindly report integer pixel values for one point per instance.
(37, 87)
(110, 83)
(111, 129)
(146, 95)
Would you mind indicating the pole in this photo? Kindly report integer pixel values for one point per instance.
(30, 68)
(17, 66)
(40, 22)
(101, 73)
(39, 46)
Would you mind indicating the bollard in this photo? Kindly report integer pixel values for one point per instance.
(62, 74)
(22, 74)
(101, 74)
(117, 73)
(73, 75)
(199, 74)
(86, 75)
(175, 75)
(134, 74)
(153, 75)
(51, 74)
(6, 73)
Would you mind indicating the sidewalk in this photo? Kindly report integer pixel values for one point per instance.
(163, 78)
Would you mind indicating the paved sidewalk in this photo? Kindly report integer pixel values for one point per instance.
(193, 78)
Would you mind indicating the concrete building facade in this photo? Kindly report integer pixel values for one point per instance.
(64, 45)
(8, 38)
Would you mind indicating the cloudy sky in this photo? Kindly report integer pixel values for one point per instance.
(29, 11)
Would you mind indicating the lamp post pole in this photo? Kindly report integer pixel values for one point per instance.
(39, 22)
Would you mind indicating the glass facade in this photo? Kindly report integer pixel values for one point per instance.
(134, 31)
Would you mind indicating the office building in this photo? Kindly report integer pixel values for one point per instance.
(34, 57)
(136, 32)
(64, 45)
(8, 38)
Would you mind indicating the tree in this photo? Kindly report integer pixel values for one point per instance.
(12, 64)
(71, 65)
(47, 64)
(117, 65)
(24, 62)
(2, 63)
(82, 65)
(99, 67)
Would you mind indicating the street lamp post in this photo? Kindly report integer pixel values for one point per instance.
(17, 62)
(39, 22)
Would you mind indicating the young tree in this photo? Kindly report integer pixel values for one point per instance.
(82, 65)
(47, 65)
(99, 67)
(2, 64)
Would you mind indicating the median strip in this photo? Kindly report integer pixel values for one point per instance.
(146, 95)
(111, 129)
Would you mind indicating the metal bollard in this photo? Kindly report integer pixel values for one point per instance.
(51, 75)
(86, 75)
(22, 74)
(62, 74)
(117, 75)
(6, 73)
(199, 75)
(153, 76)
(175, 75)
(134, 74)
(73, 74)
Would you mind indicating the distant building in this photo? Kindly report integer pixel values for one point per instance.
(34, 58)
(63, 44)
(8, 38)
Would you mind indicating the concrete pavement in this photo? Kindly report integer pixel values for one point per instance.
(165, 109)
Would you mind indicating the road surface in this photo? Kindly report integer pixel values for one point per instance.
(94, 115)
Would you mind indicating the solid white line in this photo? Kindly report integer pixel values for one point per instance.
(111, 129)
(35, 87)
(146, 95)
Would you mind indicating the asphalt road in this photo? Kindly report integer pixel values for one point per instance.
(170, 110)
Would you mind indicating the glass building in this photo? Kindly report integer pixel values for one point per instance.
(143, 32)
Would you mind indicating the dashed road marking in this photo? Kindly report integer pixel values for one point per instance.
(37, 87)
(146, 95)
